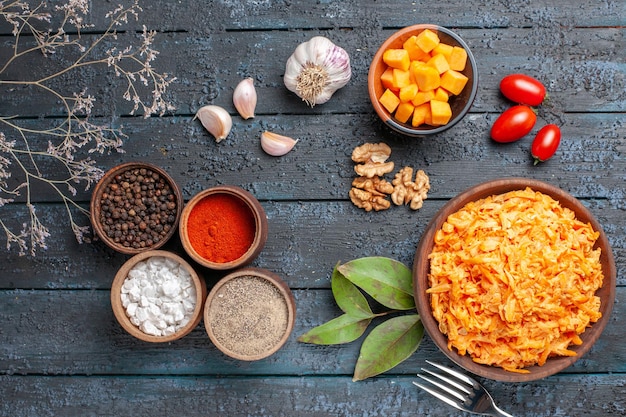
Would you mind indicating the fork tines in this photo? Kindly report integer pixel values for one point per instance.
(452, 387)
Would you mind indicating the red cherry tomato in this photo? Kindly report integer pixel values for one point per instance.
(545, 143)
(515, 123)
(523, 89)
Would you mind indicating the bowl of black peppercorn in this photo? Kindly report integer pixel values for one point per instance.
(135, 207)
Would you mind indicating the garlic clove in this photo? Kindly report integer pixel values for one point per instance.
(216, 120)
(244, 98)
(275, 144)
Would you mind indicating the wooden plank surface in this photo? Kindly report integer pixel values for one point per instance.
(63, 353)
(320, 396)
(85, 339)
(588, 163)
(306, 240)
(583, 67)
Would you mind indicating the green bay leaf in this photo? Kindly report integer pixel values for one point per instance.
(348, 297)
(386, 280)
(388, 344)
(342, 329)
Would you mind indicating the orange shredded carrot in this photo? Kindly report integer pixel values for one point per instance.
(513, 279)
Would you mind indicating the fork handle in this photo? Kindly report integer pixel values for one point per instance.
(501, 413)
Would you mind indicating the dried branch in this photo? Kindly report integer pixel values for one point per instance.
(73, 140)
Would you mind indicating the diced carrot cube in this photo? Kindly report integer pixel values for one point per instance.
(389, 100)
(408, 93)
(428, 117)
(427, 78)
(439, 62)
(415, 65)
(440, 112)
(441, 94)
(401, 78)
(444, 49)
(427, 40)
(458, 58)
(387, 78)
(404, 112)
(415, 52)
(453, 81)
(420, 113)
(422, 97)
(397, 58)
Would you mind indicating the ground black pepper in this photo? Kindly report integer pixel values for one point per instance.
(138, 208)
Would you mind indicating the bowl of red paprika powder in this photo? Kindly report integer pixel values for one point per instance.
(223, 227)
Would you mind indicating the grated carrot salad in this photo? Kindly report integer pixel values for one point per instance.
(513, 279)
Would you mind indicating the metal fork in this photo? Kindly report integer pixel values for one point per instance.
(459, 391)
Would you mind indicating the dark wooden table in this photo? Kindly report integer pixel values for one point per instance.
(62, 351)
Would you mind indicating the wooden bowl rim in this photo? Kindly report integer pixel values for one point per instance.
(120, 312)
(373, 80)
(99, 189)
(273, 279)
(421, 267)
(260, 219)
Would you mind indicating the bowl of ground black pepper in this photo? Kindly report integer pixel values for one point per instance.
(249, 314)
(136, 207)
(224, 227)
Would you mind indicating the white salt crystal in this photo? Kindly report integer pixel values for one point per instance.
(149, 328)
(134, 294)
(171, 288)
(131, 309)
(141, 314)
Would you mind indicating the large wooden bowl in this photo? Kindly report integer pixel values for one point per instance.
(421, 268)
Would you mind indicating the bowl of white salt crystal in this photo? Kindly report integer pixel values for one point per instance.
(157, 296)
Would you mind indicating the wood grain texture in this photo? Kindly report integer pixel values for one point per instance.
(588, 163)
(320, 396)
(583, 67)
(63, 353)
(83, 338)
(306, 239)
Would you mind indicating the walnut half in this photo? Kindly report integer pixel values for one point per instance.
(371, 152)
(408, 191)
(368, 201)
(371, 193)
(371, 160)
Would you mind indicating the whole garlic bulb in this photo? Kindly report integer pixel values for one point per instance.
(316, 69)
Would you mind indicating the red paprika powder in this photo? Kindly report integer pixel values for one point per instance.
(221, 228)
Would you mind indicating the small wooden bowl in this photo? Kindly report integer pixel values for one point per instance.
(257, 216)
(97, 212)
(249, 314)
(120, 312)
(460, 104)
(421, 269)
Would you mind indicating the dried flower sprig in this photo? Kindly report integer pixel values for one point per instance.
(27, 153)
